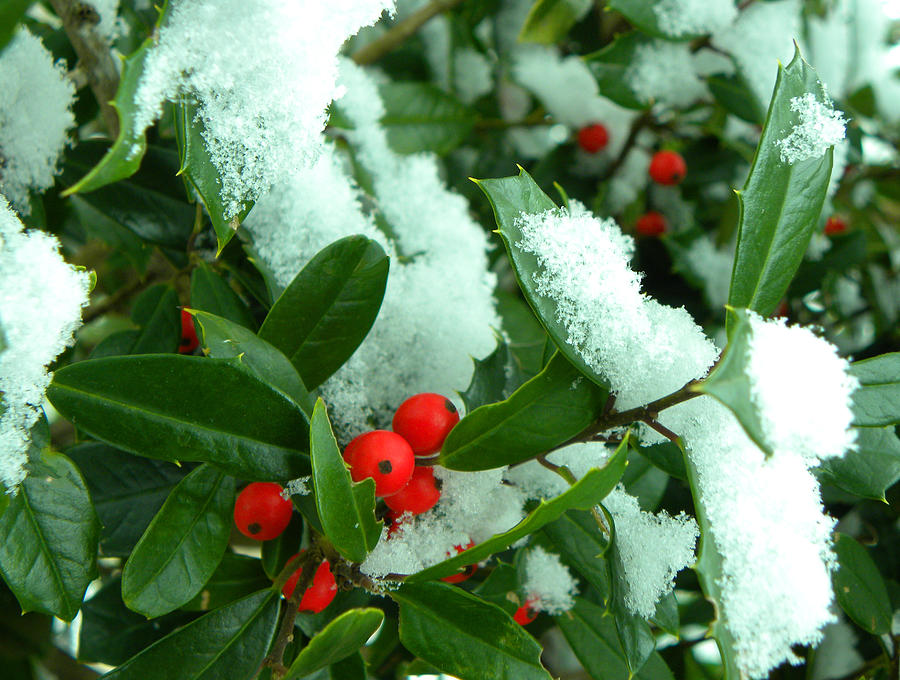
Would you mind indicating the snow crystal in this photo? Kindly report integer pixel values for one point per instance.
(40, 308)
(820, 127)
(549, 585)
(653, 549)
(713, 266)
(693, 17)
(763, 34)
(663, 72)
(108, 11)
(473, 75)
(539, 482)
(767, 523)
(296, 487)
(646, 350)
(793, 372)
(629, 180)
(262, 100)
(35, 117)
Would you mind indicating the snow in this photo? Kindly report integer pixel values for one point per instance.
(548, 584)
(664, 72)
(35, 118)
(819, 128)
(40, 308)
(693, 17)
(473, 74)
(713, 265)
(263, 99)
(108, 11)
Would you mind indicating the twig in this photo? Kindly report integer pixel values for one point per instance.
(662, 429)
(80, 21)
(401, 32)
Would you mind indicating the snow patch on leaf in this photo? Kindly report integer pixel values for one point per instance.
(819, 128)
(549, 585)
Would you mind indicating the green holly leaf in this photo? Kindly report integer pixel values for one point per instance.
(155, 312)
(236, 576)
(877, 401)
(327, 310)
(201, 174)
(48, 538)
(422, 117)
(859, 587)
(228, 643)
(511, 197)
(733, 94)
(868, 470)
(548, 410)
(277, 552)
(780, 203)
(211, 293)
(494, 379)
(342, 637)
(549, 21)
(610, 64)
(641, 14)
(224, 339)
(465, 636)
(583, 546)
(175, 408)
(347, 509)
(183, 545)
(583, 495)
(10, 14)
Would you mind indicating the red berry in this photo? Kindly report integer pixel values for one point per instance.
(651, 224)
(385, 457)
(261, 512)
(319, 594)
(593, 138)
(467, 571)
(424, 420)
(418, 496)
(189, 341)
(393, 521)
(835, 225)
(525, 614)
(667, 167)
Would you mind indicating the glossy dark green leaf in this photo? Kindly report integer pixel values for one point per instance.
(494, 379)
(183, 545)
(329, 307)
(877, 401)
(859, 587)
(465, 636)
(549, 21)
(645, 481)
(732, 93)
(127, 492)
(610, 64)
(339, 639)
(236, 576)
(201, 174)
(211, 293)
(347, 509)
(156, 313)
(224, 339)
(422, 117)
(511, 197)
(349, 668)
(118, 237)
(48, 538)
(667, 456)
(591, 633)
(780, 203)
(584, 494)
(173, 407)
(277, 552)
(10, 13)
(667, 617)
(526, 335)
(730, 383)
(641, 14)
(111, 633)
(869, 469)
(579, 540)
(548, 410)
(226, 644)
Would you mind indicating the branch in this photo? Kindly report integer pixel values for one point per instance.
(401, 32)
(95, 60)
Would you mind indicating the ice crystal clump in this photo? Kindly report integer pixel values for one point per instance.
(664, 72)
(549, 585)
(819, 128)
(35, 117)
(40, 308)
(694, 17)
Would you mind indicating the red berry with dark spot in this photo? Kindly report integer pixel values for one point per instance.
(320, 592)
(651, 224)
(419, 495)
(525, 614)
(424, 420)
(835, 225)
(668, 168)
(593, 138)
(189, 341)
(385, 457)
(261, 512)
(467, 571)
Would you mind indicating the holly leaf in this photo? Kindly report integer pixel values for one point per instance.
(327, 310)
(877, 401)
(48, 538)
(549, 21)
(211, 293)
(347, 509)
(591, 632)
(236, 576)
(494, 379)
(548, 410)
(10, 14)
(422, 117)
(859, 587)
(870, 468)
(641, 14)
(342, 637)
(610, 64)
(183, 545)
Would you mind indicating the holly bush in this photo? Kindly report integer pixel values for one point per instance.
(241, 233)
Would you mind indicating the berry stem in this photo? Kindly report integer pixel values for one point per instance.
(639, 124)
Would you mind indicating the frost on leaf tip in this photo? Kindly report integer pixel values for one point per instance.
(819, 127)
(40, 308)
